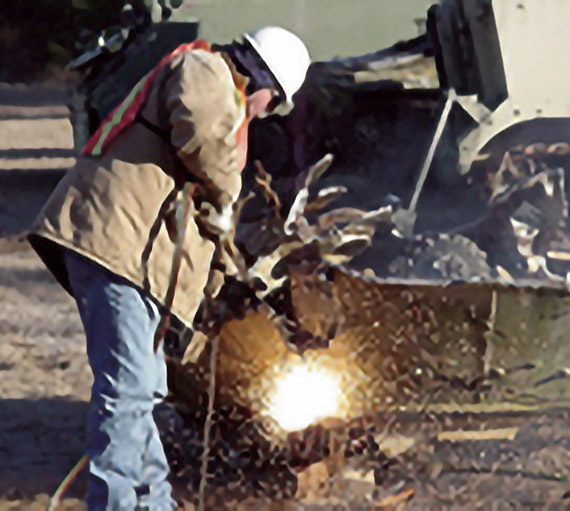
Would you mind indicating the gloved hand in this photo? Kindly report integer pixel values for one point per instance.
(218, 223)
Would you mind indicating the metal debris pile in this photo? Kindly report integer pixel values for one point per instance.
(528, 207)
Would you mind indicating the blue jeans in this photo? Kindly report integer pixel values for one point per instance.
(128, 469)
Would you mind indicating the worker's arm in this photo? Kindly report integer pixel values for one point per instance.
(204, 113)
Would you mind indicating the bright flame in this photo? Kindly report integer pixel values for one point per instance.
(304, 395)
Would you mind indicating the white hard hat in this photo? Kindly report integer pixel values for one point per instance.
(285, 55)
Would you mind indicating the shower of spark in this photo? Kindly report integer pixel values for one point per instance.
(304, 394)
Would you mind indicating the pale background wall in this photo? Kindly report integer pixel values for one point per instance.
(330, 27)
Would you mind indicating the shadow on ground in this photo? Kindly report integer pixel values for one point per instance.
(40, 441)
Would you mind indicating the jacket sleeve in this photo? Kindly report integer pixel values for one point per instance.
(204, 112)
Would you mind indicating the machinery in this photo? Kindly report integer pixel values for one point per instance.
(531, 87)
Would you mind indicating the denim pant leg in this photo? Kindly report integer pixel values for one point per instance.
(157, 491)
(127, 464)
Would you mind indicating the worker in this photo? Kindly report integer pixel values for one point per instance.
(173, 148)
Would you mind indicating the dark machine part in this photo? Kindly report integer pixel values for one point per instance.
(467, 50)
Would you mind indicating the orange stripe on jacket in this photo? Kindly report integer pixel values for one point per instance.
(124, 114)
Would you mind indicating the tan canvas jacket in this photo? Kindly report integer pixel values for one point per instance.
(115, 209)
